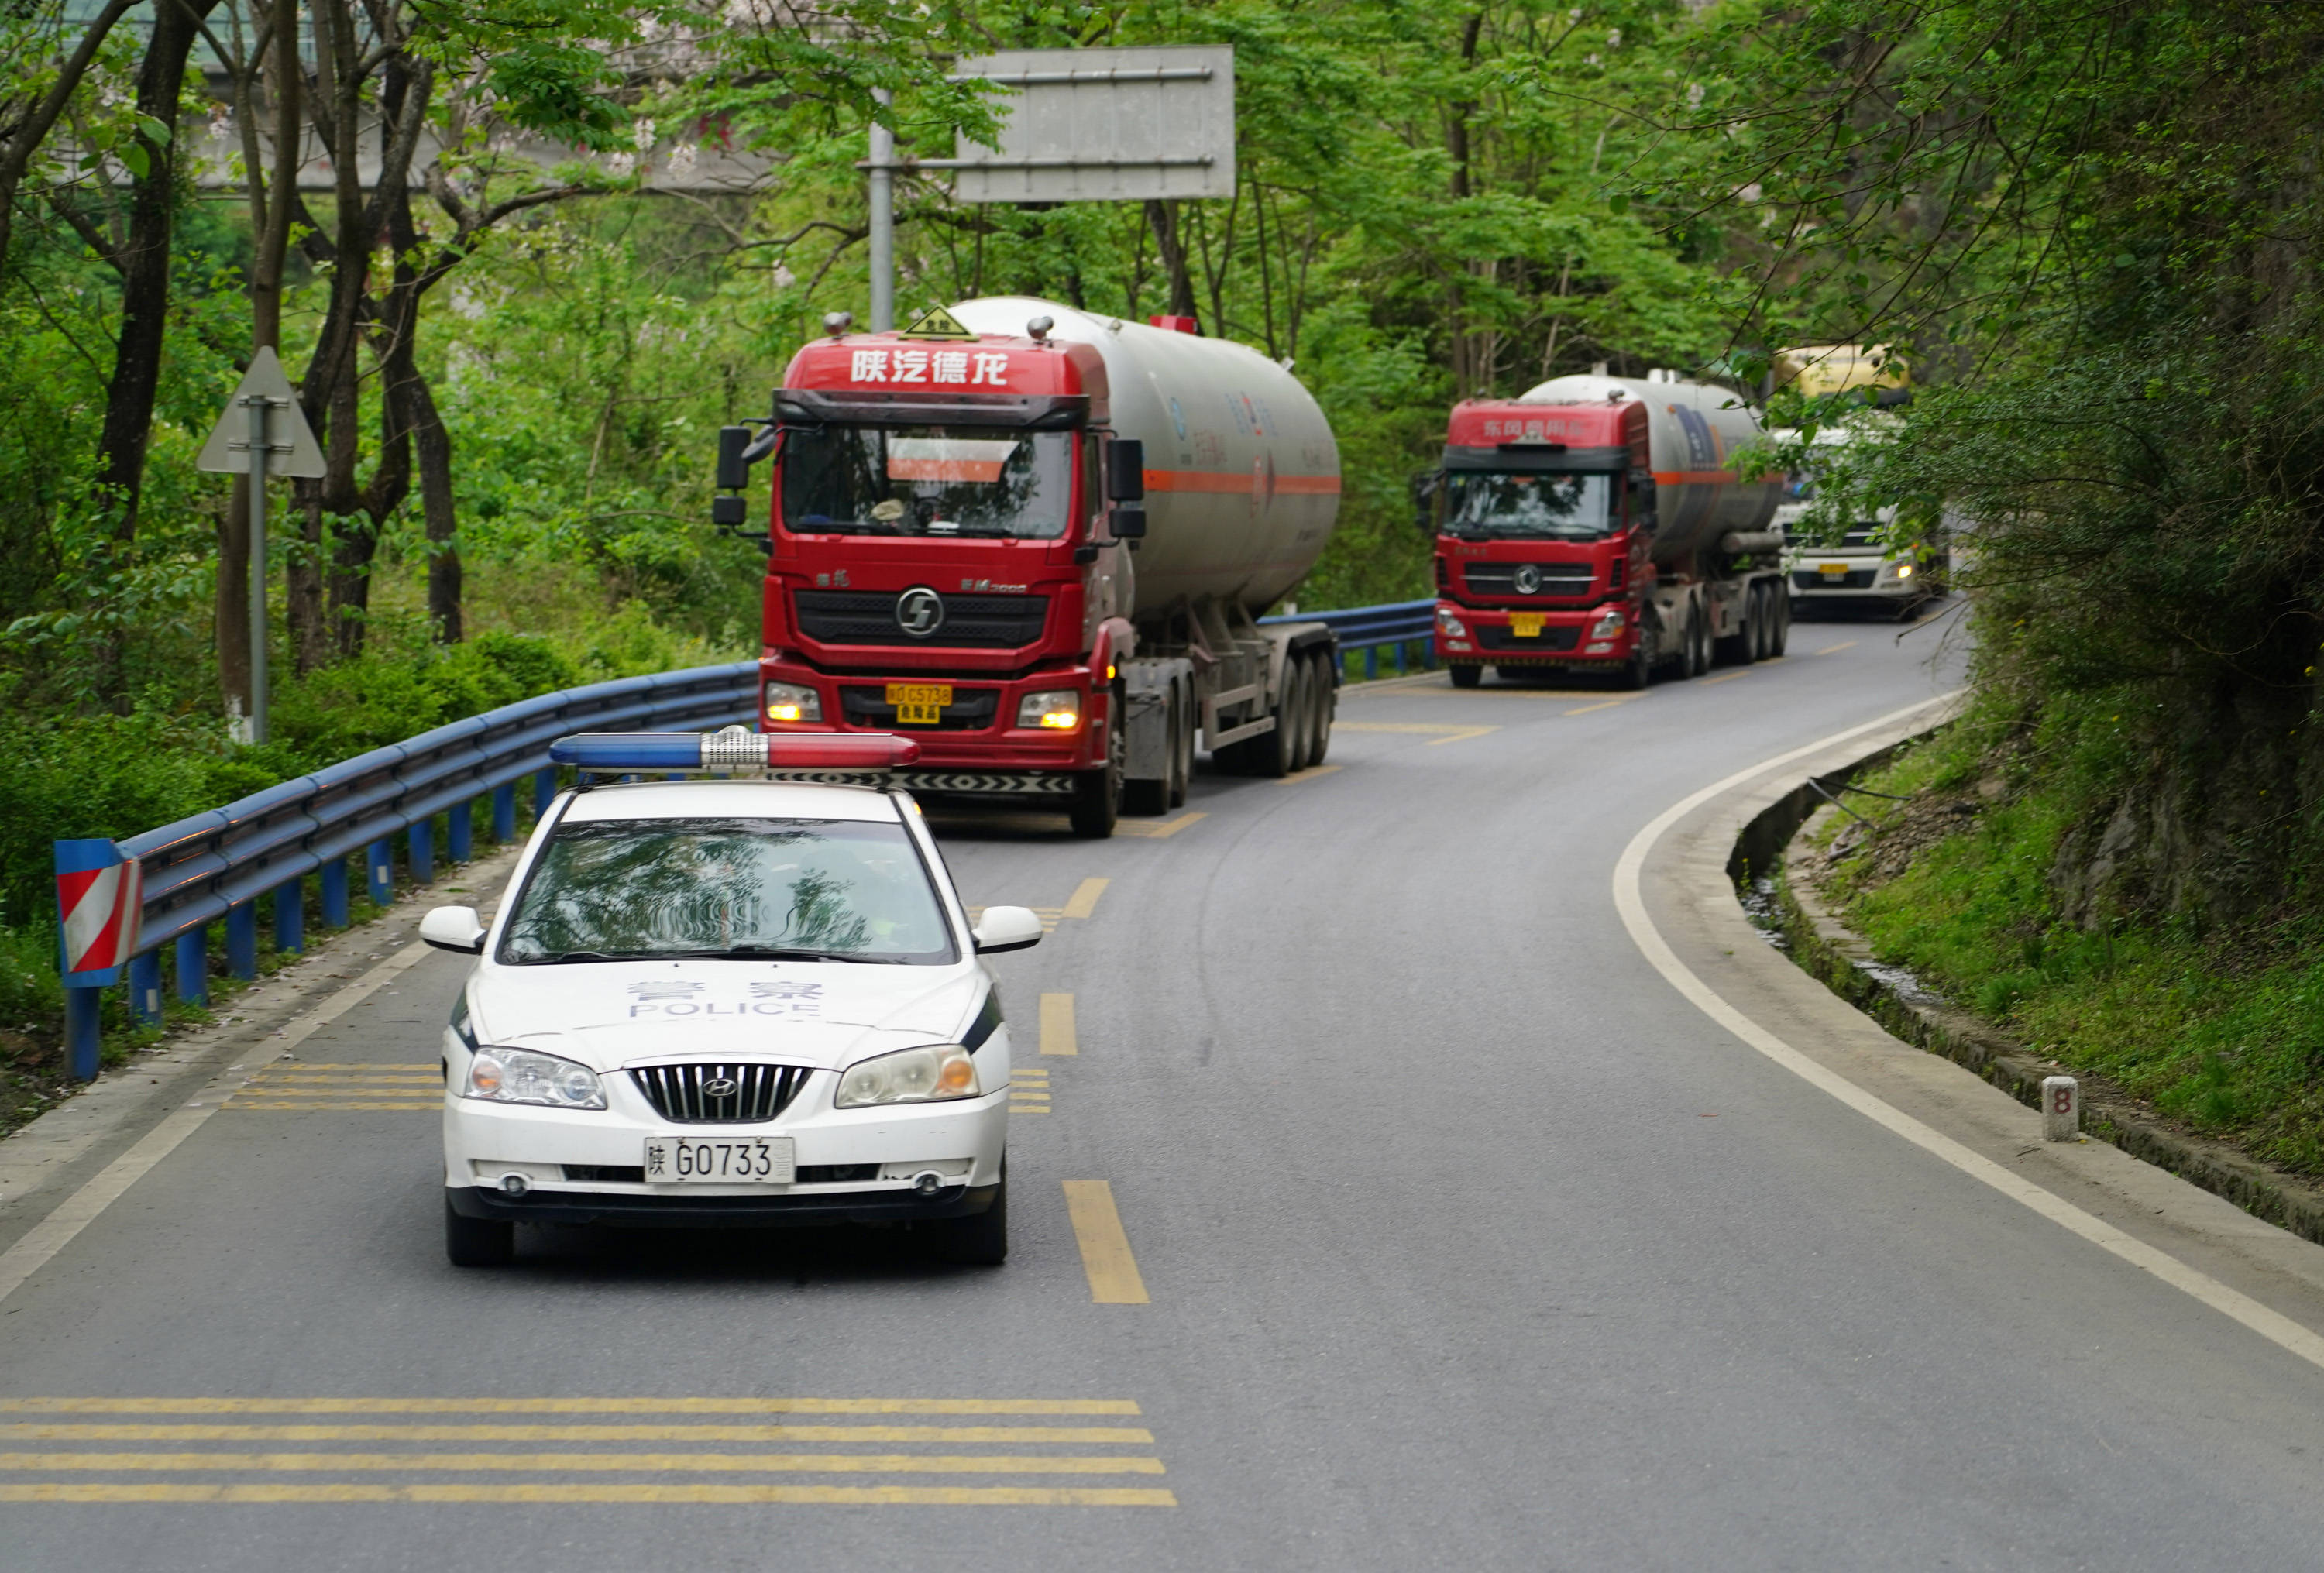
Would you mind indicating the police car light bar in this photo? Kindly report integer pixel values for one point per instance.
(734, 750)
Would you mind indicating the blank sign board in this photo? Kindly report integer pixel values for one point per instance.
(1102, 126)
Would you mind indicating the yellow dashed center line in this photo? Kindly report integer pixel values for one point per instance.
(609, 1492)
(66, 1432)
(601, 1463)
(1154, 830)
(1057, 1032)
(1114, 1276)
(1835, 649)
(1308, 775)
(583, 1405)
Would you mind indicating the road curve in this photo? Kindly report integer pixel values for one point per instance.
(1390, 1211)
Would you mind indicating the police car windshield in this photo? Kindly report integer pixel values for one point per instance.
(927, 480)
(751, 889)
(1497, 505)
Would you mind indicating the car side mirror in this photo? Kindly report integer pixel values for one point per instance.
(455, 928)
(1125, 470)
(1129, 524)
(1007, 928)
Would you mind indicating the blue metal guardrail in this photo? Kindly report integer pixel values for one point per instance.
(216, 865)
(1400, 623)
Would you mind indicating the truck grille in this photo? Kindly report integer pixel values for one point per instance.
(1557, 579)
(979, 622)
(970, 710)
(1854, 579)
(1549, 641)
(680, 1092)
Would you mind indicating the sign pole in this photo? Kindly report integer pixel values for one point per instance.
(883, 220)
(258, 404)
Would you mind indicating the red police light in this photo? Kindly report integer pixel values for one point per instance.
(840, 750)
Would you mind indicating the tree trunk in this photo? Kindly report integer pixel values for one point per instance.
(444, 572)
(1162, 218)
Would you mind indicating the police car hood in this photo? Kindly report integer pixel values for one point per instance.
(828, 1015)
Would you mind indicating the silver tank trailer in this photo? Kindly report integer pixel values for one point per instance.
(1693, 431)
(1242, 475)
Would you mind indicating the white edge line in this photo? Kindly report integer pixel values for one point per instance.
(53, 1233)
(1629, 899)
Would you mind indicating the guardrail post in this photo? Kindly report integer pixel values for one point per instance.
(1428, 652)
(290, 916)
(1400, 668)
(421, 839)
(193, 966)
(380, 859)
(544, 790)
(460, 842)
(504, 813)
(82, 1037)
(335, 892)
(1371, 662)
(145, 987)
(242, 939)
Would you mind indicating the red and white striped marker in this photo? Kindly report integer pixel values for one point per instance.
(98, 892)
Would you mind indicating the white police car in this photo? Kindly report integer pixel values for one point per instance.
(712, 1002)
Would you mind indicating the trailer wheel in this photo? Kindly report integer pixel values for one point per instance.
(1466, 676)
(1097, 795)
(1299, 711)
(1324, 710)
(1779, 631)
(1182, 743)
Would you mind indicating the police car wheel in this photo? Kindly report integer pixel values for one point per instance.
(477, 1242)
(981, 1240)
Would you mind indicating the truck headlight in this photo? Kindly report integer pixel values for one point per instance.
(521, 1076)
(791, 702)
(929, 1075)
(1607, 626)
(1904, 570)
(1058, 710)
(1450, 626)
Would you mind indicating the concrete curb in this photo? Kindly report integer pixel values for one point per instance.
(1840, 960)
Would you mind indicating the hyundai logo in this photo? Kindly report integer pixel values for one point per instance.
(720, 1087)
(920, 611)
(1527, 579)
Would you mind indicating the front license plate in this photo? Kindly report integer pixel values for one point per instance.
(1527, 624)
(1834, 570)
(720, 1160)
(919, 704)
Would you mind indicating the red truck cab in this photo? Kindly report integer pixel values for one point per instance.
(1543, 516)
(942, 558)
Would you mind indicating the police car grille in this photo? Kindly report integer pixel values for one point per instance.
(857, 617)
(680, 1092)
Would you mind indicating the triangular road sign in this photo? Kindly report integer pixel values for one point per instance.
(935, 322)
(291, 449)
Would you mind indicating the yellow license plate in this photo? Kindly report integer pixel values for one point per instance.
(919, 704)
(1833, 570)
(1527, 624)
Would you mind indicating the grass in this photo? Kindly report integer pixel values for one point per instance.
(2221, 1030)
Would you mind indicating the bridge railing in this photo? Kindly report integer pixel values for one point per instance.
(217, 866)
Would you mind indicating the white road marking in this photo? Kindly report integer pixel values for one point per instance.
(1629, 899)
(53, 1233)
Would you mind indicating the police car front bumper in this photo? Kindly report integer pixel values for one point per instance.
(851, 1164)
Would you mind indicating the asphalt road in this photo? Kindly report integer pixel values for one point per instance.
(1455, 1239)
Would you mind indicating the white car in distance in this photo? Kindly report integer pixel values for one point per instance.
(728, 1002)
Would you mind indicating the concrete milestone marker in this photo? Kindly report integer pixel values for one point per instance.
(2062, 1109)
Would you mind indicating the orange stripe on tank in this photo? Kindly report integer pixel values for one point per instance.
(1237, 482)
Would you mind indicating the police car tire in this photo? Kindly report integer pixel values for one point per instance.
(981, 1239)
(477, 1242)
(1466, 676)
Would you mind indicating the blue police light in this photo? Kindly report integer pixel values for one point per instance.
(734, 749)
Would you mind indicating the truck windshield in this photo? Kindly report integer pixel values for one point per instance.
(1495, 504)
(927, 480)
(738, 889)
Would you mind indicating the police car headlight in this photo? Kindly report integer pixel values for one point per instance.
(929, 1075)
(521, 1076)
(791, 702)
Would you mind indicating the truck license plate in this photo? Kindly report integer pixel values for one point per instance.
(1833, 570)
(919, 704)
(720, 1160)
(1527, 624)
